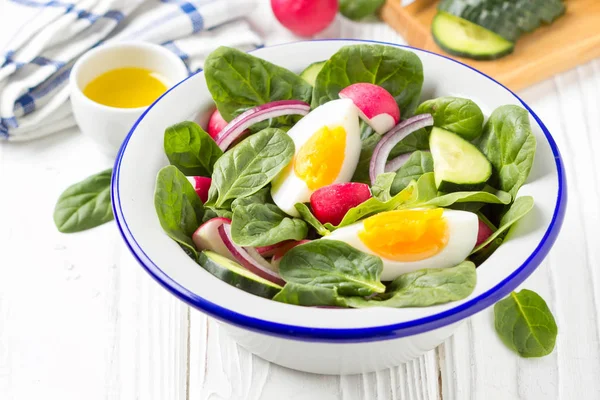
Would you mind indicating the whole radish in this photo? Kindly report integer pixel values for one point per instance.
(305, 17)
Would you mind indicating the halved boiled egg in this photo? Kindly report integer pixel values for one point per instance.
(409, 240)
(327, 144)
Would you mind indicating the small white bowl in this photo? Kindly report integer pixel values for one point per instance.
(108, 126)
(330, 341)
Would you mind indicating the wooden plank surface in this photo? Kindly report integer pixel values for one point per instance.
(79, 319)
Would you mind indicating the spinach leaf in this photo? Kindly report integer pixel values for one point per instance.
(359, 9)
(210, 213)
(489, 195)
(418, 140)
(191, 149)
(426, 287)
(383, 184)
(238, 81)
(361, 173)
(333, 264)
(249, 166)
(517, 210)
(263, 196)
(509, 144)
(308, 216)
(85, 204)
(264, 225)
(178, 207)
(458, 115)
(398, 71)
(307, 295)
(419, 163)
(525, 324)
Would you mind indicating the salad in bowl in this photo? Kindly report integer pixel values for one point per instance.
(339, 206)
(341, 189)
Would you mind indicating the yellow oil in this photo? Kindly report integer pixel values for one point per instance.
(126, 88)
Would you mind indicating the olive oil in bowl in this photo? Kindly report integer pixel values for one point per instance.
(128, 87)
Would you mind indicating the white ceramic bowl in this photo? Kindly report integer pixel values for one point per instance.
(330, 341)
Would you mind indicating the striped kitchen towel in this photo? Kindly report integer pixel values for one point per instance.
(49, 35)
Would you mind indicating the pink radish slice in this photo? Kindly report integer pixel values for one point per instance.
(283, 250)
(207, 237)
(391, 139)
(483, 233)
(249, 258)
(330, 203)
(201, 185)
(216, 123)
(305, 17)
(268, 251)
(377, 107)
(274, 109)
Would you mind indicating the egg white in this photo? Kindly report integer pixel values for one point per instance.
(462, 231)
(332, 114)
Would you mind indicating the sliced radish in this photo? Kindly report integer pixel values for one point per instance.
(237, 127)
(207, 237)
(201, 185)
(216, 123)
(377, 107)
(268, 251)
(483, 233)
(331, 203)
(249, 258)
(281, 251)
(305, 17)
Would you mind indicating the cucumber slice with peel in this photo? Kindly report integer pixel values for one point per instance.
(457, 164)
(462, 38)
(310, 73)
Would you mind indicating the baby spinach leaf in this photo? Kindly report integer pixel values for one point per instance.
(85, 204)
(210, 213)
(398, 71)
(249, 166)
(418, 140)
(361, 173)
(263, 196)
(333, 264)
(419, 163)
(308, 216)
(458, 115)
(307, 295)
(239, 81)
(264, 225)
(509, 144)
(425, 287)
(490, 196)
(191, 149)
(179, 208)
(525, 324)
(381, 187)
(359, 9)
(517, 210)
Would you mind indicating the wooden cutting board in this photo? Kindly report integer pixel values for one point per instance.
(571, 40)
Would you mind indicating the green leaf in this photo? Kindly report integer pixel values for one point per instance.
(419, 163)
(191, 149)
(85, 204)
(490, 196)
(210, 213)
(333, 264)
(179, 208)
(359, 9)
(239, 81)
(308, 216)
(458, 115)
(264, 225)
(426, 287)
(398, 71)
(517, 210)
(307, 295)
(525, 324)
(381, 187)
(509, 144)
(361, 173)
(263, 196)
(249, 166)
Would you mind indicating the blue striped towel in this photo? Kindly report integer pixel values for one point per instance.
(51, 35)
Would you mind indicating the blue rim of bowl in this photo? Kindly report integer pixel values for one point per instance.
(352, 335)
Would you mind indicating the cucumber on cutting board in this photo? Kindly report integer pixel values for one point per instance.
(457, 164)
(233, 273)
(462, 38)
(310, 73)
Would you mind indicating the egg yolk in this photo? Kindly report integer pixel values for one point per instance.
(406, 235)
(319, 160)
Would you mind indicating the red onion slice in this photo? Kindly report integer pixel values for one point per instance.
(249, 258)
(274, 109)
(395, 164)
(392, 138)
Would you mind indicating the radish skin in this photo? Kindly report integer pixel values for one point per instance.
(283, 250)
(201, 186)
(216, 123)
(483, 233)
(377, 107)
(331, 203)
(305, 17)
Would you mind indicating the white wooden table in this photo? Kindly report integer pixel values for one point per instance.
(79, 319)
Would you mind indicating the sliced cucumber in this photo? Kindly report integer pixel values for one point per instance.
(311, 72)
(462, 38)
(233, 273)
(457, 164)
